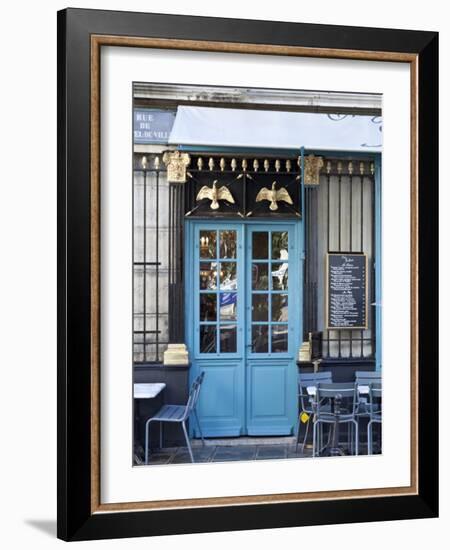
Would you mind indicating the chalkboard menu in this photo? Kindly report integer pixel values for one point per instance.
(346, 286)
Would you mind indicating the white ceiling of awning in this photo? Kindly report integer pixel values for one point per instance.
(212, 126)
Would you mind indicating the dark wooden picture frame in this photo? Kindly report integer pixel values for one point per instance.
(81, 34)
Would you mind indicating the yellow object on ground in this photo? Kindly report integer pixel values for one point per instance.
(304, 417)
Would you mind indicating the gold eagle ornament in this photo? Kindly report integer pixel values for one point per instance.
(274, 196)
(215, 195)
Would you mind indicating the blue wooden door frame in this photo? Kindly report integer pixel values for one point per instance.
(221, 406)
(271, 377)
(244, 392)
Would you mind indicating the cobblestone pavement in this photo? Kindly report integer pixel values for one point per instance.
(227, 453)
(236, 449)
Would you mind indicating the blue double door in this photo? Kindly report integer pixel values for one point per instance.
(243, 324)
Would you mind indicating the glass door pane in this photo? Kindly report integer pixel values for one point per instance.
(217, 272)
(269, 291)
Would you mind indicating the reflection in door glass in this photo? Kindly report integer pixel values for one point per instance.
(260, 339)
(228, 280)
(208, 339)
(279, 307)
(228, 339)
(218, 296)
(260, 307)
(228, 306)
(208, 244)
(208, 307)
(279, 276)
(280, 245)
(227, 246)
(260, 247)
(260, 276)
(208, 275)
(279, 338)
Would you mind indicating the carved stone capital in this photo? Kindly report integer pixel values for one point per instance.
(312, 168)
(176, 163)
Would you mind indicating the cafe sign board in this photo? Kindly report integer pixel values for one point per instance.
(346, 291)
(152, 125)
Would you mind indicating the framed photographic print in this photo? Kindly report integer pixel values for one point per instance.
(247, 274)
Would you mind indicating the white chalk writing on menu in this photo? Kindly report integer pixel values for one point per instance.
(347, 290)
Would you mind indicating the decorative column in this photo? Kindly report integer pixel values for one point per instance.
(176, 163)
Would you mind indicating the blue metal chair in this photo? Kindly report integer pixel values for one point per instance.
(375, 414)
(365, 378)
(177, 413)
(347, 395)
(306, 401)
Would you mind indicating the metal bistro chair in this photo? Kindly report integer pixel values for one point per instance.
(306, 380)
(375, 413)
(177, 413)
(344, 399)
(365, 378)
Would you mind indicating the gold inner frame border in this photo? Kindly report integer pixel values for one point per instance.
(97, 41)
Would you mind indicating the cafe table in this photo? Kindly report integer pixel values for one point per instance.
(363, 389)
(143, 391)
(147, 390)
